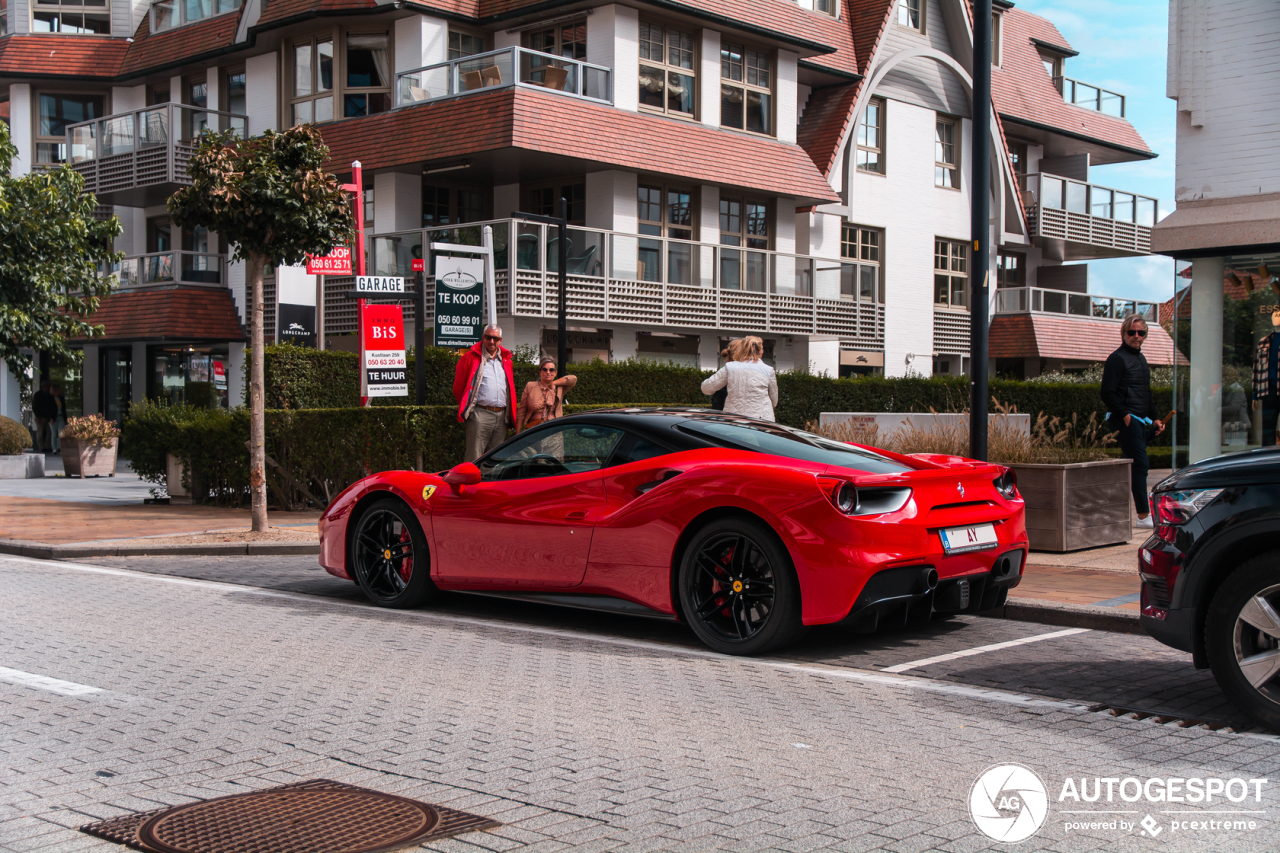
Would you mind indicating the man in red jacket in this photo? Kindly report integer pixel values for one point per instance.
(485, 389)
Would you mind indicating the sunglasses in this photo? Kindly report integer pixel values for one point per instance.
(548, 369)
(1138, 333)
(492, 338)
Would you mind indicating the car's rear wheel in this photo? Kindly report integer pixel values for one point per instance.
(738, 591)
(1242, 638)
(389, 556)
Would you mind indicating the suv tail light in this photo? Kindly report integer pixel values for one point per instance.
(1177, 508)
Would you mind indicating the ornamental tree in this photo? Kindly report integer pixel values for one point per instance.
(271, 199)
(52, 253)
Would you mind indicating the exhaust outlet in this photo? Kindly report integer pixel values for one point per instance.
(930, 579)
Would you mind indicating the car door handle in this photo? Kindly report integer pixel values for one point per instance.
(576, 515)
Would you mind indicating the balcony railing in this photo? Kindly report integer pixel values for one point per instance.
(170, 14)
(630, 278)
(175, 267)
(512, 66)
(1090, 215)
(1090, 97)
(139, 156)
(1037, 300)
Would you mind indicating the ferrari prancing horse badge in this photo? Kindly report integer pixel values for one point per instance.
(427, 492)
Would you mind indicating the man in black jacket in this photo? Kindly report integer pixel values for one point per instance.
(1126, 392)
(45, 409)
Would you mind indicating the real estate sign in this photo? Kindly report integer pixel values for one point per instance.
(384, 361)
(337, 262)
(459, 301)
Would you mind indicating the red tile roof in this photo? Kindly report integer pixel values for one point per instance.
(53, 55)
(1236, 284)
(554, 124)
(1070, 338)
(1021, 88)
(825, 119)
(169, 313)
(172, 46)
(280, 10)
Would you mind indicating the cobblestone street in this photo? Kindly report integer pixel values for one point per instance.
(573, 730)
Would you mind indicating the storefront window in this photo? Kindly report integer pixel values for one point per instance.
(194, 376)
(1227, 386)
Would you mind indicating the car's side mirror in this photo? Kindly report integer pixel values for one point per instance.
(466, 474)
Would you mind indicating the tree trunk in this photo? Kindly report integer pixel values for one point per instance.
(257, 413)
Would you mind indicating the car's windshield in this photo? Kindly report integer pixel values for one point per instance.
(784, 441)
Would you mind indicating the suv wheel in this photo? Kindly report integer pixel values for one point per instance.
(1242, 638)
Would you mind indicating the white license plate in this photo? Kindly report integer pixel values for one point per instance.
(957, 540)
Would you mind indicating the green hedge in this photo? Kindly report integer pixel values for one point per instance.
(319, 452)
(298, 378)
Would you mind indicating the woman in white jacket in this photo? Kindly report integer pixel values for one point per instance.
(752, 384)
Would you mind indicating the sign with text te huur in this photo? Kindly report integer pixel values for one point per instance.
(384, 361)
(459, 301)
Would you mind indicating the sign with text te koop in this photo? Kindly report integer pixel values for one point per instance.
(459, 301)
(384, 361)
(337, 262)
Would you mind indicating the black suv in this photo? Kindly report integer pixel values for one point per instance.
(1211, 574)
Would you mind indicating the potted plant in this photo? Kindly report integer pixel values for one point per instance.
(1076, 495)
(14, 463)
(89, 446)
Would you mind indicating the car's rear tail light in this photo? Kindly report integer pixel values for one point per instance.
(842, 494)
(1007, 484)
(1177, 508)
(854, 500)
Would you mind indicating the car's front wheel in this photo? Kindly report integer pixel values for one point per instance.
(388, 554)
(738, 591)
(1242, 638)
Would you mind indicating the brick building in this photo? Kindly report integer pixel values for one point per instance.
(795, 169)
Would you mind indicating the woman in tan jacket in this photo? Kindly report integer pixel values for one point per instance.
(543, 400)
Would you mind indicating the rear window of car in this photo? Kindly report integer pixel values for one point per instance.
(792, 443)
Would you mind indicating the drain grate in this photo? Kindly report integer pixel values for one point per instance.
(1165, 718)
(318, 816)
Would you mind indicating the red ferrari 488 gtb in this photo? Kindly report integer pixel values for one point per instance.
(747, 530)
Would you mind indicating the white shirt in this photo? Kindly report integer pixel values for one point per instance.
(493, 384)
(753, 388)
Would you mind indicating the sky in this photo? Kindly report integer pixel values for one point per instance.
(1123, 47)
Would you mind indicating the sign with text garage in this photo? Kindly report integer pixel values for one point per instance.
(385, 367)
(459, 301)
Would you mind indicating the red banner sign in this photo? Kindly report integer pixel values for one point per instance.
(337, 262)
(384, 358)
(418, 265)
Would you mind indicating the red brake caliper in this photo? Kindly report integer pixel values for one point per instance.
(406, 564)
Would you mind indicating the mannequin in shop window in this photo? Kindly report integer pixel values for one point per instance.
(1266, 383)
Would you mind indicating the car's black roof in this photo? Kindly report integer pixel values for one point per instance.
(657, 424)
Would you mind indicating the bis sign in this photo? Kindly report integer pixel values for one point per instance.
(384, 358)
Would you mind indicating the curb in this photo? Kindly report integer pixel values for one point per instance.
(1068, 615)
(45, 551)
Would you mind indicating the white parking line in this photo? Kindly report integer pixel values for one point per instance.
(820, 670)
(977, 650)
(44, 682)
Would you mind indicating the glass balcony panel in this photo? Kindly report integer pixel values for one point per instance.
(596, 84)
(1111, 104)
(1079, 304)
(1124, 307)
(1051, 192)
(649, 260)
(1123, 207)
(201, 268)
(804, 276)
(1146, 309)
(679, 263)
(624, 257)
(1077, 197)
(153, 127)
(1055, 301)
(1101, 202)
(84, 143)
(757, 272)
(540, 69)
(1146, 214)
(1102, 307)
(730, 269)
(585, 252)
(528, 239)
(1085, 96)
(117, 135)
(157, 268)
(1037, 301)
(393, 254)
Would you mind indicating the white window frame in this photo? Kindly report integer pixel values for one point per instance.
(98, 12)
(862, 248)
(951, 261)
(879, 105)
(666, 68)
(946, 173)
(902, 15)
(748, 66)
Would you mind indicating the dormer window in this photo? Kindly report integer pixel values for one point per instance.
(829, 7)
(90, 17)
(1054, 64)
(911, 14)
(170, 14)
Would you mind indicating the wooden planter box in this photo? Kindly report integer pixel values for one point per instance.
(1081, 505)
(89, 459)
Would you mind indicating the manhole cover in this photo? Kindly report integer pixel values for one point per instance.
(310, 817)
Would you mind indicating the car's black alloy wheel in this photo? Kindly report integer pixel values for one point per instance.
(737, 589)
(1242, 638)
(388, 555)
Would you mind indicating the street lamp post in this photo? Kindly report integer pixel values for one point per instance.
(980, 228)
(562, 256)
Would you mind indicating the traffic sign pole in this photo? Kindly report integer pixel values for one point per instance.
(358, 178)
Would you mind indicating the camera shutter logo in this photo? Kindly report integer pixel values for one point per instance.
(1009, 803)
